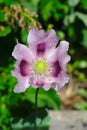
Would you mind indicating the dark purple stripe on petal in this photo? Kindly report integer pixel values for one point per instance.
(41, 48)
(24, 68)
(56, 69)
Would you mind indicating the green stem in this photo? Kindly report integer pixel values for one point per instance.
(36, 107)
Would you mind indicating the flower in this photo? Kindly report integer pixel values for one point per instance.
(41, 64)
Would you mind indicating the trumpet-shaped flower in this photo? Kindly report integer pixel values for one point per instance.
(41, 64)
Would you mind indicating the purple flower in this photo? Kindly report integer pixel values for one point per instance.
(41, 64)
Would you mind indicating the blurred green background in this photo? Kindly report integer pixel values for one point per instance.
(69, 19)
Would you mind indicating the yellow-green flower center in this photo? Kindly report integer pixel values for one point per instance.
(40, 66)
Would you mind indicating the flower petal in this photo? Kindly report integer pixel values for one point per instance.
(41, 41)
(47, 86)
(24, 68)
(36, 36)
(56, 68)
(57, 60)
(22, 84)
(63, 78)
(22, 52)
(41, 49)
(21, 87)
(52, 39)
(62, 52)
(53, 63)
(38, 82)
(59, 56)
(22, 71)
(24, 58)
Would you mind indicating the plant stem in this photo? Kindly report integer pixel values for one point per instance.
(36, 107)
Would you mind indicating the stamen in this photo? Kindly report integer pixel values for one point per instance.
(40, 66)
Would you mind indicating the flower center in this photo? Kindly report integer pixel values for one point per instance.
(40, 66)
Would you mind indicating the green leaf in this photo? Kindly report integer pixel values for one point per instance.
(82, 17)
(4, 31)
(69, 19)
(83, 64)
(1, 1)
(81, 76)
(84, 40)
(9, 2)
(73, 3)
(45, 98)
(83, 4)
(80, 64)
(46, 9)
(35, 2)
(71, 32)
(2, 18)
(81, 106)
(31, 6)
(61, 34)
(66, 20)
(82, 92)
(18, 125)
(24, 34)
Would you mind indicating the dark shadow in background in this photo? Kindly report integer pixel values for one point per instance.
(6, 47)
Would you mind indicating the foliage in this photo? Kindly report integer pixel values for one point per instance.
(66, 16)
(43, 121)
(14, 15)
